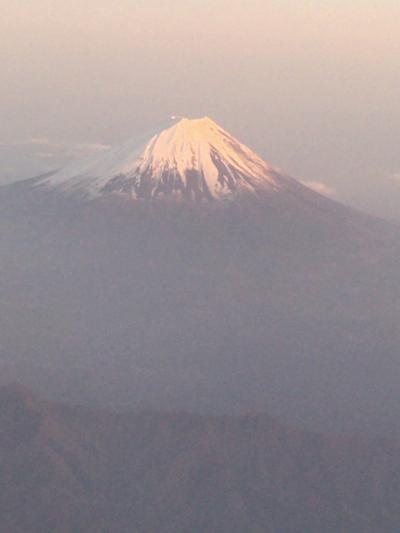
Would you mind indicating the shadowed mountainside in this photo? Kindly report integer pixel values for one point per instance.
(280, 304)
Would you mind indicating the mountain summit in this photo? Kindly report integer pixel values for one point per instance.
(189, 159)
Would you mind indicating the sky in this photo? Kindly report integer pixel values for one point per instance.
(312, 85)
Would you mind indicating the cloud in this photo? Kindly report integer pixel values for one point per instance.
(95, 147)
(73, 150)
(320, 188)
(45, 148)
(40, 141)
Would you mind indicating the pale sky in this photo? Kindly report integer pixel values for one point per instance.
(312, 85)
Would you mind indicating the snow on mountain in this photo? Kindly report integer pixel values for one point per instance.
(193, 159)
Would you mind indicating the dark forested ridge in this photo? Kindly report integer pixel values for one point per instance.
(70, 469)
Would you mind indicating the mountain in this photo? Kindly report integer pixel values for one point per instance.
(74, 469)
(190, 159)
(187, 161)
(256, 294)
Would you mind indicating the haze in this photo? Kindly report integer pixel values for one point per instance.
(312, 86)
(191, 338)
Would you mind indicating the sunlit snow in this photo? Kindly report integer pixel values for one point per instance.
(190, 158)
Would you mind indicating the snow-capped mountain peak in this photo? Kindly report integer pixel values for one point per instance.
(190, 158)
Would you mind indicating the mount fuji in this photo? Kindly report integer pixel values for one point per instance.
(186, 166)
(189, 159)
(180, 271)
